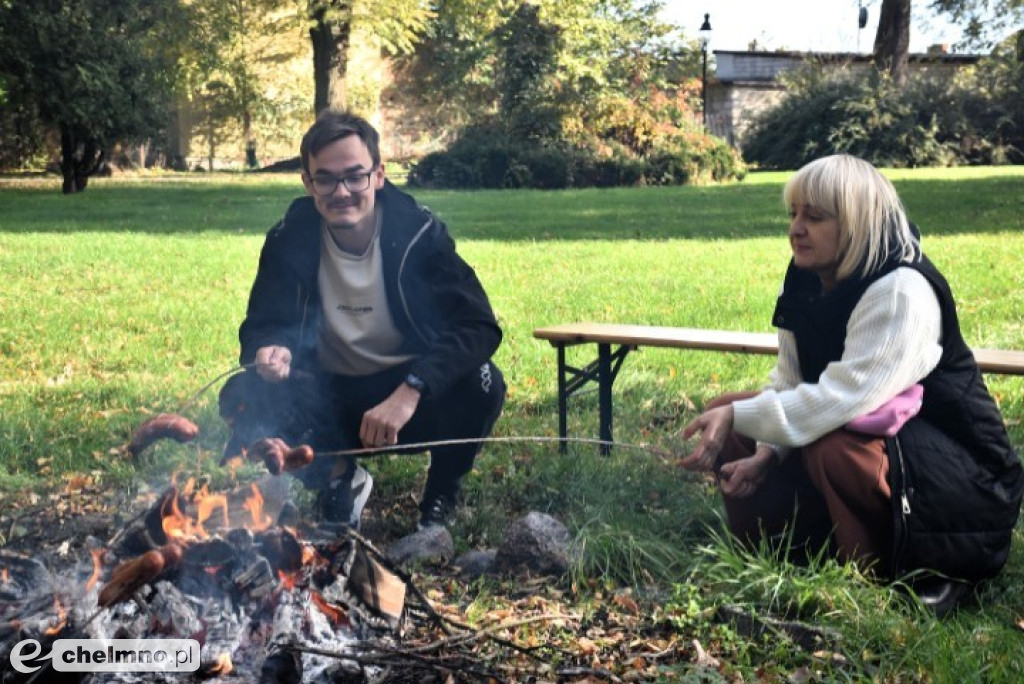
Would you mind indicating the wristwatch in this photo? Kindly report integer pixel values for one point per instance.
(416, 382)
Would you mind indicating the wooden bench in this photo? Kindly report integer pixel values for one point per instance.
(625, 338)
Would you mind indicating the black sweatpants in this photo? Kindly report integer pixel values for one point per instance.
(326, 410)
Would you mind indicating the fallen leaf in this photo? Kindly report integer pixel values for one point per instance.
(703, 659)
(626, 602)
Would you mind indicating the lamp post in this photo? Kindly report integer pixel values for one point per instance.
(705, 38)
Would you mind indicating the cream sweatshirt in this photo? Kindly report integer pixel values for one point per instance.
(892, 341)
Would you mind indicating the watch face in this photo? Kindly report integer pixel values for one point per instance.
(414, 381)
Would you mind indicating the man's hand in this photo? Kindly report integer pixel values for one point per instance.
(714, 426)
(742, 478)
(381, 423)
(273, 363)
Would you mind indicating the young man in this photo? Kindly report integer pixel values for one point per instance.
(364, 329)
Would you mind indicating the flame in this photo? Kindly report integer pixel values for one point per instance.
(61, 619)
(206, 504)
(254, 504)
(334, 613)
(5, 576)
(311, 557)
(177, 525)
(223, 664)
(96, 555)
(288, 579)
(181, 527)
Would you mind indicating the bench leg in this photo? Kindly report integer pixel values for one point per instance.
(604, 395)
(563, 401)
(602, 370)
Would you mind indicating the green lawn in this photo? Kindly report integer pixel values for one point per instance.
(126, 299)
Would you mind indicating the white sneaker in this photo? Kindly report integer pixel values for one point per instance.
(362, 485)
(344, 499)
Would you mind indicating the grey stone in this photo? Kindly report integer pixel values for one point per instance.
(475, 563)
(432, 543)
(537, 544)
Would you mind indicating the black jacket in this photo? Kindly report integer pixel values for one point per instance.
(956, 480)
(436, 300)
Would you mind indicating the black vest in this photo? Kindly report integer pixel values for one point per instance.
(956, 481)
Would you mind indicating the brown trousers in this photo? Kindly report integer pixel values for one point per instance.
(832, 491)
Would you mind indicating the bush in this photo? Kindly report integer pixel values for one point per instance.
(605, 172)
(696, 160)
(478, 161)
(442, 170)
(24, 143)
(974, 118)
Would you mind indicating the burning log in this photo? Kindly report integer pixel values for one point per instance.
(256, 580)
(282, 548)
(241, 538)
(163, 426)
(184, 514)
(146, 531)
(209, 553)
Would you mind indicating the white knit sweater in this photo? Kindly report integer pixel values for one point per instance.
(892, 342)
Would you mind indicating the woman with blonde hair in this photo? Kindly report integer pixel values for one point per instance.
(876, 434)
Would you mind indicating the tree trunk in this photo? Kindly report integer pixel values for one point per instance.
(892, 40)
(80, 157)
(330, 35)
(178, 139)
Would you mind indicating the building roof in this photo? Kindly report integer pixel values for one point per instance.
(752, 66)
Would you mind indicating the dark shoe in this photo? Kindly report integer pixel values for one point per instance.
(939, 595)
(344, 499)
(437, 511)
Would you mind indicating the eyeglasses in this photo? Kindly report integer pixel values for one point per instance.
(325, 184)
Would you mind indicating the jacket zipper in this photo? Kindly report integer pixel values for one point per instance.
(401, 288)
(304, 307)
(905, 490)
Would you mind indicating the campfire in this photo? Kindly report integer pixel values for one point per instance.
(227, 568)
(258, 595)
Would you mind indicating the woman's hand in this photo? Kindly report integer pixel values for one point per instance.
(714, 426)
(742, 478)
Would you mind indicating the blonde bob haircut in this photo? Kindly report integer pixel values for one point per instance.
(872, 221)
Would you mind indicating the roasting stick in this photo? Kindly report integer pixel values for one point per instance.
(202, 390)
(367, 451)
